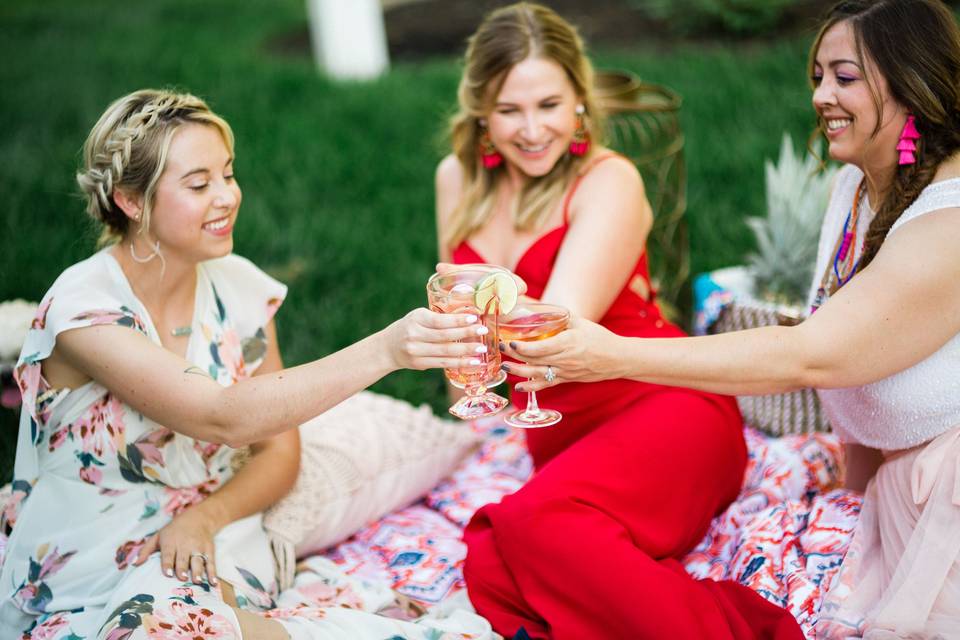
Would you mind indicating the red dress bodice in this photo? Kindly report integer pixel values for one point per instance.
(633, 313)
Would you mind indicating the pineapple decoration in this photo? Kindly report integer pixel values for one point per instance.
(797, 195)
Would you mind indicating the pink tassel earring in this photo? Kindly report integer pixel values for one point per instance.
(907, 145)
(580, 144)
(489, 155)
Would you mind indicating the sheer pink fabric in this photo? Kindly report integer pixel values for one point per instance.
(901, 575)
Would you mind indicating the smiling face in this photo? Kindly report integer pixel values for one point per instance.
(857, 133)
(197, 196)
(534, 116)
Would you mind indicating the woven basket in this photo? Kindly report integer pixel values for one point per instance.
(782, 413)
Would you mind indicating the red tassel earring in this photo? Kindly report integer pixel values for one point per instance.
(907, 145)
(489, 155)
(580, 144)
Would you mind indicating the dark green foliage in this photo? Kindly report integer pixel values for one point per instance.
(737, 17)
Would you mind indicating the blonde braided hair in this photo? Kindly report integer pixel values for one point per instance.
(127, 149)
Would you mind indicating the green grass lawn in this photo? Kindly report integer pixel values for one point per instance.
(337, 179)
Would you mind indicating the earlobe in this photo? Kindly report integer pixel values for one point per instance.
(131, 206)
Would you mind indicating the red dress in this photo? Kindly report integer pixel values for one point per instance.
(625, 485)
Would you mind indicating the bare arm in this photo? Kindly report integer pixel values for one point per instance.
(448, 184)
(171, 391)
(269, 473)
(610, 220)
(894, 314)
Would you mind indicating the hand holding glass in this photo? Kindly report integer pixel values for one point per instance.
(501, 375)
(471, 291)
(527, 323)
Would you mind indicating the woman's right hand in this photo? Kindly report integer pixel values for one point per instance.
(585, 352)
(424, 339)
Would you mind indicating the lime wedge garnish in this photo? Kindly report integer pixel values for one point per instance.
(497, 284)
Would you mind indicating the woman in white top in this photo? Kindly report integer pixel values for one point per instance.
(883, 344)
(146, 365)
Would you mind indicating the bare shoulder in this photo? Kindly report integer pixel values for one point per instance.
(615, 186)
(609, 167)
(449, 175)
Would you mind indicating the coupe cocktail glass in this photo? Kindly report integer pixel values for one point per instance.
(527, 323)
(457, 292)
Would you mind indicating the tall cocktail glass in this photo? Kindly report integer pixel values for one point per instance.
(501, 375)
(527, 323)
(457, 291)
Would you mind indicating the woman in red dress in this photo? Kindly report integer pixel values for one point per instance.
(628, 482)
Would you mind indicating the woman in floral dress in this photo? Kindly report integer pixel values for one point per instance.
(147, 365)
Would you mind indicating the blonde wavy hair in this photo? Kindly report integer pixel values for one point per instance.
(506, 37)
(127, 149)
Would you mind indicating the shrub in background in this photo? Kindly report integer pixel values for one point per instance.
(738, 17)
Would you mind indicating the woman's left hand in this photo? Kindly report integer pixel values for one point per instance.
(186, 547)
(585, 352)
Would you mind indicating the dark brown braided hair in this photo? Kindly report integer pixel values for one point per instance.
(915, 45)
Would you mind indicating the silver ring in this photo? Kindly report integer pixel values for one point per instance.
(197, 554)
(550, 375)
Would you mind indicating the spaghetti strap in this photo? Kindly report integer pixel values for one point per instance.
(576, 183)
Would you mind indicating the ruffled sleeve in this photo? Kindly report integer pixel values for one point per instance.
(84, 295)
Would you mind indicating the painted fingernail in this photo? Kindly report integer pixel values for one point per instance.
(471, 318)
(482, 330)
(168, 573)
(513, 344)
(475, 362)
(481, 349)
(502, 346)
(505, 367)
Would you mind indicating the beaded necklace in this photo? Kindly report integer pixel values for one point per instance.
(843, 266)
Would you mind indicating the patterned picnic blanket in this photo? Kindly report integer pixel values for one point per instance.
(784, 537)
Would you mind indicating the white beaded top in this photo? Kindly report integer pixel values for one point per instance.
(918, 403)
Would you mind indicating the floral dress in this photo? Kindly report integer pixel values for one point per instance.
(94, 479)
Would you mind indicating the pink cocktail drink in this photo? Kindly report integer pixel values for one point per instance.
(529, 323)
(465, 291)
(458, 297)
(536, 326)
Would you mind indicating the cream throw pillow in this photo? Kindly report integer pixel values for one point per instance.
(369, 455)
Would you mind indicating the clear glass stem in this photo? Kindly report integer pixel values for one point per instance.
(475, 390)
(532, 411)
